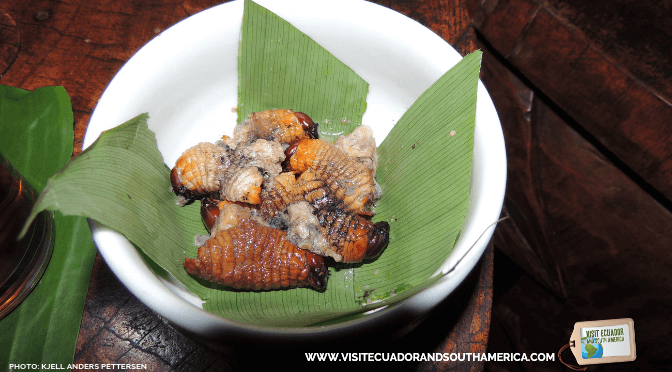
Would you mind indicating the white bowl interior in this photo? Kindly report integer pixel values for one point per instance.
(186, 79)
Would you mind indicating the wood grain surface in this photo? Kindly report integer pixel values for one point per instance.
(603, 63)
(11, 39)
(81, 44)
(583, 96)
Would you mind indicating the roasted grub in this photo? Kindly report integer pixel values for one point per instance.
(236, 174)
(351, 181)
(321, 202)
(284, 126)
(251, 256)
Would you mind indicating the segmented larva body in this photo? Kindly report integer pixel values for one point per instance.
(284, 126)
(196, 170)
(269, 229)
(275, 200)
(350, 237)
(348, 233)
(287, 189)
(351, 181)
(255, 257)
(208, 168)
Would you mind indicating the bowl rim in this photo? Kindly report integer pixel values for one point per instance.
(455, 269)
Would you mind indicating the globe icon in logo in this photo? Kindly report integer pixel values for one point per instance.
(590, 349)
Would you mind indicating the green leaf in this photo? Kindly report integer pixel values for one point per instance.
(281, 67)
(37, 131)
(122, 182)
(38, 139)
(424, 170)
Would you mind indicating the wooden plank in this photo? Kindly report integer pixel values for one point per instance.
(524, 236)
(506, 18)
(609, 238)
(447, 18)
(11, 41)
(584, 75)
(633, 34)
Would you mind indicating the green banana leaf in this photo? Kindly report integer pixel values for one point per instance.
(281, 67)
(37, 138)
(37, 132)
(424, 169)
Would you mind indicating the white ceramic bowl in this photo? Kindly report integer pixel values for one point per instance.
(186, 78)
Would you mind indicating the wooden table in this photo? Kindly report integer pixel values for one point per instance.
(584, 94)
(81, 44)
